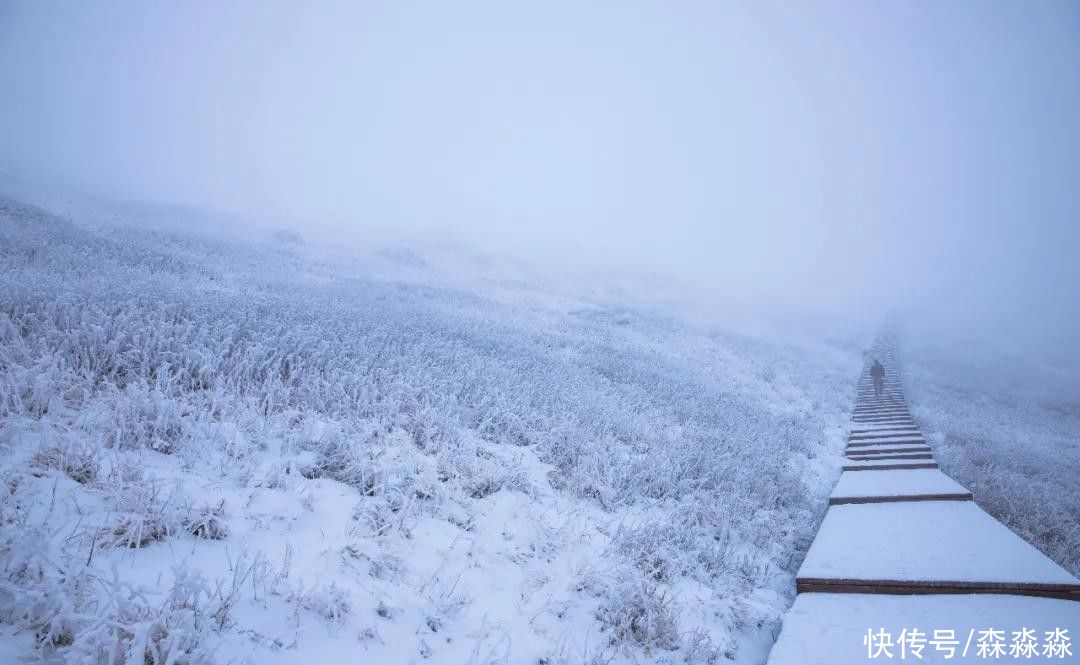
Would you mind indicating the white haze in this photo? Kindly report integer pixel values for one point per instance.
(843, 158)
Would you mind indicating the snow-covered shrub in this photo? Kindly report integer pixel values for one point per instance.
(207, 523)
(430, 431)
(173, 633)
(329, 602)
(79, 460)
(146, 419)
(481, 472)
(378, 516)
(638, 613)
(82, 615)
(145, 513)
(658, 549)
(699, 648)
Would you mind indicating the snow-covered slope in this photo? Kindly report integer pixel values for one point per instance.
(1007, 426)
(213, 452)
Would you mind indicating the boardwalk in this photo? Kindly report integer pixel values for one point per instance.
(904, 548)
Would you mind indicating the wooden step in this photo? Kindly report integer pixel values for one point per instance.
(891, 456)
(926, 547)
(874, 465)
(874, 450)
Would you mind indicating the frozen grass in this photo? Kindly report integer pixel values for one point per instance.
(250, 454)
(1008, 428)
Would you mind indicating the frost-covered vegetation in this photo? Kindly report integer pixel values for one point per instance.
(1007, 427)
(224, 453)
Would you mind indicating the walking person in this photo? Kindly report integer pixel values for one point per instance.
(877, 370)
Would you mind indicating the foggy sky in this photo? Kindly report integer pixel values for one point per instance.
(919, 154)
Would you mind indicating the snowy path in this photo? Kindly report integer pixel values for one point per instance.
(903, 549)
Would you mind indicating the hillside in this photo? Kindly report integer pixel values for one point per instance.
(257, 453)
(1005, 424)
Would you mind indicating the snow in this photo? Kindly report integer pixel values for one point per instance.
(880, 414)
(875, 465)
(886, 440)
(882, 428)
(936, 541)
(829, 629)
(900, 433)
(1006, 424)
(267, 453)
(895, 483)
(871, 448)
(909, 453)
(881, 419)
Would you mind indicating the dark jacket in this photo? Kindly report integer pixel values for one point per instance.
(877, 369)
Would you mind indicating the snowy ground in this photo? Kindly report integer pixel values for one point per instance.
(264, 454)
(1007, 427)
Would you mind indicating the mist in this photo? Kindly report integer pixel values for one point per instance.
(847, 158)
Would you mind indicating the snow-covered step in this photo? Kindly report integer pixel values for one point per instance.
(891, 412)
(907, 422)
(857, 453)
(874, 465)
(830, 629)
(875, 430)
(894, 412)
(907, 440)
(887, 435)
(895, 453)
(926, 547)
(891, 438)
(887, 447)
(897, 485)
(865, 431)
(880, 407)
(878, 443)
(908, 432)
(920, 455)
